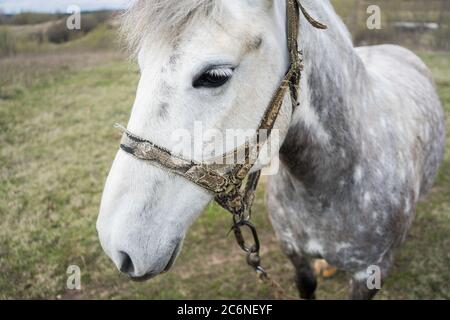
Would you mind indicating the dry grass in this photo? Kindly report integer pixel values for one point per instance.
(21, 72)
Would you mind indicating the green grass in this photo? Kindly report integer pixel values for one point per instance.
(57, 145)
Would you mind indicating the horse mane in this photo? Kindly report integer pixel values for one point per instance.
(164, 18)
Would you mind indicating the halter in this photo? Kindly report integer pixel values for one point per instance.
(226, 182)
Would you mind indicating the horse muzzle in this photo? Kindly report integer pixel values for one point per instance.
(129, 270)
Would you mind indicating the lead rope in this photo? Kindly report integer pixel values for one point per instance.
(242, 218)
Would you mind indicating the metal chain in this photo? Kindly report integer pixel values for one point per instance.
(254, 257)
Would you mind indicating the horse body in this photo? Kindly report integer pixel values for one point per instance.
(358, 154)
(362, 150)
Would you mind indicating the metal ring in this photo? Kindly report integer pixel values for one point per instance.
(237, 228)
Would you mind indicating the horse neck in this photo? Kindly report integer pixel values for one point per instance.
(323, 139)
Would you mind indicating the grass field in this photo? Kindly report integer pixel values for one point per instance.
(57, 110)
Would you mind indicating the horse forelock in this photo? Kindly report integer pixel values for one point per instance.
(163, 18)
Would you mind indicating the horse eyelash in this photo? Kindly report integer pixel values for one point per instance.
(225, 72)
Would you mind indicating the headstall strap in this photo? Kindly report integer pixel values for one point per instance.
(227, 184)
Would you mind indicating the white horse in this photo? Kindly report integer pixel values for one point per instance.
(359, 153)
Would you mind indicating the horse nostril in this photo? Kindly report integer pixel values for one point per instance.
(126, 264)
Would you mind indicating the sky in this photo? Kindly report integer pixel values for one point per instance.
(16, 6)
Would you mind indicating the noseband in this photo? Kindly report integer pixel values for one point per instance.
(233, 186)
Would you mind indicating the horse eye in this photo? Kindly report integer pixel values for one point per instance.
(213, 78)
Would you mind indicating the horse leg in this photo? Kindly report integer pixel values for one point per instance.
(305, 278)
(366, 284)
